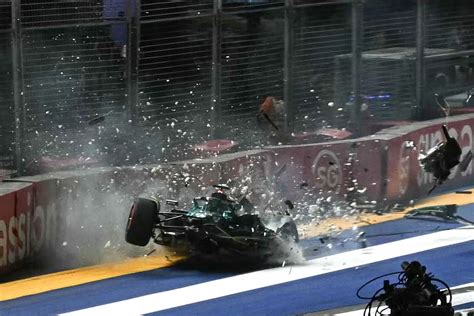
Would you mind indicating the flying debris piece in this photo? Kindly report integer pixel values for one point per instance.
(465, 161)
(334, 133)
(271, 105)
(442, 103)
(280, 171)
(221, 186)
(409, 144)
(361, 239)
(265, 115)
(172, 202)
(152, 251)
(440, 159)
(470, 98)
(442, 212)
(97, 120)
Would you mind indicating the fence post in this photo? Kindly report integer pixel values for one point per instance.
(288, 67)
(133, 24)
(357, 38)
(19, 106)
(216, 69)
(420, 57)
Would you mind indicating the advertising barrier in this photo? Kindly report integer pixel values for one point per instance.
(345, 168)
(37, 213)
(21, 230)
(7, 202)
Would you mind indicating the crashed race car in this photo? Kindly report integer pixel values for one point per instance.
(213, 224)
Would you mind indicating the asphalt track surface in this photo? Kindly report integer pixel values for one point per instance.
(328, 280)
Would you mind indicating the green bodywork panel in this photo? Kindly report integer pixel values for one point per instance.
(216, 208)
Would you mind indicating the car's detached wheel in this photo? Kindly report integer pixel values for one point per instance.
(141, 221)
(289, 232)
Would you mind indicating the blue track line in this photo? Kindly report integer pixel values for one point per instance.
(107, 291)
(452, 264)
(334, 290)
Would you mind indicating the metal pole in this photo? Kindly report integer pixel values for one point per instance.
(288, 67)
(420, 57)
(357, 37)
(128, 61)
(17, 63)
(133, 22)
(216, 69)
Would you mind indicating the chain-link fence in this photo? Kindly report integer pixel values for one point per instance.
(130, 81)
(174, 76)
(389, 59)
(73, 69)
(322, 35)
(7, 117)
(449, 31)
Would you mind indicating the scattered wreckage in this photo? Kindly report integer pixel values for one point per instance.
(442, 158)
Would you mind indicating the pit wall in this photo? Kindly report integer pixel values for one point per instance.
(78, 214)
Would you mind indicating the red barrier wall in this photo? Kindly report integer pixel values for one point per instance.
(17, 222)
(383, 168)
(345, 168)
(7, 202)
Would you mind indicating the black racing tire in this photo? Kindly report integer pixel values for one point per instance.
(141, 221)
(289, 232)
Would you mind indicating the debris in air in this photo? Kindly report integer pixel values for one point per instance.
(440, 159)
(97, 120)
(148, 254)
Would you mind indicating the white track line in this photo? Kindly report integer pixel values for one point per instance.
(259, 279)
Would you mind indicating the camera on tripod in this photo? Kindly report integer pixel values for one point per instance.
(415, 294)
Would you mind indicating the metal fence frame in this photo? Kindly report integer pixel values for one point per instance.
(287, 7)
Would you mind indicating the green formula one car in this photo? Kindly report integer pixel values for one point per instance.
(214, 224)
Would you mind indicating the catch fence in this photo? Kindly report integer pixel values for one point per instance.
(140, 81)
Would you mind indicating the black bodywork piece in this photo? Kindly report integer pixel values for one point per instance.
(446, 213)
(441, 159)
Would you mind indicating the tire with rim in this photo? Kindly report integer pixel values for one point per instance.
(141, 221)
